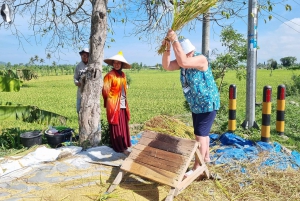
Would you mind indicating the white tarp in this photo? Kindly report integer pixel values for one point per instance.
(14, 167)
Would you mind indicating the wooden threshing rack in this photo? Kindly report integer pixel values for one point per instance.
(164, 159)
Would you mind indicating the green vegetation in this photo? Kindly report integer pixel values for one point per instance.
(155, 92)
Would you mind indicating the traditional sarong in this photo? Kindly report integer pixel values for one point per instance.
(120, 134)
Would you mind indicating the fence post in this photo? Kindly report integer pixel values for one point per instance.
(232, 108)
(266, 114)
(280, 109)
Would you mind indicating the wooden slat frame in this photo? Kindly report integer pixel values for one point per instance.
(163, 159)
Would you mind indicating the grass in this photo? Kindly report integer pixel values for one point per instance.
(154, 93)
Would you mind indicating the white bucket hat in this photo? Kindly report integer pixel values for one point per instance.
(6, 13)
(186, 45)
(118, 57)
(86, 50)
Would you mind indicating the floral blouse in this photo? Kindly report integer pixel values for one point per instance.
(111, 92)
(200, 89)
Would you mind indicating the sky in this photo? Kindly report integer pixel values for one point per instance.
(277, 38)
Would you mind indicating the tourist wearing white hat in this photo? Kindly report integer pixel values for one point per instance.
(198, 86)
(115, 101)
(79, 70)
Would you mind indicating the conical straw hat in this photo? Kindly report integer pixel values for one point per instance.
(118, 57)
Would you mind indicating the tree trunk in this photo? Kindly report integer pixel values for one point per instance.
(89, 114)
(205, 34)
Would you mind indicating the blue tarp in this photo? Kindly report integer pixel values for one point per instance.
(233, 148)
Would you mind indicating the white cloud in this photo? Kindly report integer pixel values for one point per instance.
(282, 42)
(276, 43)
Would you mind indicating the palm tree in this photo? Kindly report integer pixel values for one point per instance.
(31, 60)
(48, 56)
(42, 61)
(36, 57)
(54, 65)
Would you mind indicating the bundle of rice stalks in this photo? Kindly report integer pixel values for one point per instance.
(168, 125)
(185, 11)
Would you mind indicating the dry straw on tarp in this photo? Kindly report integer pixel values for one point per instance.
(185, 11)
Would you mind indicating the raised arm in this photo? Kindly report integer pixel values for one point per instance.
(186, 60)
(166, 63)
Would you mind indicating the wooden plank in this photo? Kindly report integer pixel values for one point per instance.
(168, 138)
(116, 182)
(157, 160)
(160, 154)
(199, 157)
(174, 148)
(150, 172)
(191, 156)
(171, 194)
(187, 181)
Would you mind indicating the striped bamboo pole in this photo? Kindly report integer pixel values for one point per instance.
(266, 114)
(232, 108)
(280, 109)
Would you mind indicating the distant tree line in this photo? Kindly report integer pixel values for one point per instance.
(40, 70)
(286, 62)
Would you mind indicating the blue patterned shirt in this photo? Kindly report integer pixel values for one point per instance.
(200, 89)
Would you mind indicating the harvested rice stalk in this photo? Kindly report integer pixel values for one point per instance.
(185, 12)
(168, 125)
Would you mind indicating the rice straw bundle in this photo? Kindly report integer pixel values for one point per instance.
(169, 125)
(187, 11)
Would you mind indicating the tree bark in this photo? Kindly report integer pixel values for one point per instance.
(89, 114)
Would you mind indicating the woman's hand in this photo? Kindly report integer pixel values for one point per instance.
(166, 43)
(171, 35)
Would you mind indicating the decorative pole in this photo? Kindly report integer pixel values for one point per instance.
(232, 108)
(266, 114)
(280, 109)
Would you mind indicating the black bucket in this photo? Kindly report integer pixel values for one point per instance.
(55, 140)
(31, 138)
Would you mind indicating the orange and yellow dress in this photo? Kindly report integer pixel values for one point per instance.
(117, 117)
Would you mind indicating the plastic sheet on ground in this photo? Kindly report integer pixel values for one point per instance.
(103, 155)
(14, 167)
(135, 138)
(233, 149)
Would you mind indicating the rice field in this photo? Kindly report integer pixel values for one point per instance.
(151, 93)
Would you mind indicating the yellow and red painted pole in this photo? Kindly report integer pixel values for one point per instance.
(266, 114)
(232, 108)
(280, 109)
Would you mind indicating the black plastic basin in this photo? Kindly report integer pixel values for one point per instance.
(31, 138)
(56, 139)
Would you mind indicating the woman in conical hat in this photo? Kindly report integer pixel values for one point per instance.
(114, 93)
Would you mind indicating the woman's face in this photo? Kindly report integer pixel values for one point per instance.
(117, 65)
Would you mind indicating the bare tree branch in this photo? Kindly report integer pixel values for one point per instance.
(75, 11)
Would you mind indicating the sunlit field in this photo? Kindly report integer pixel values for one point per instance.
(154, 92)
(151, 92)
